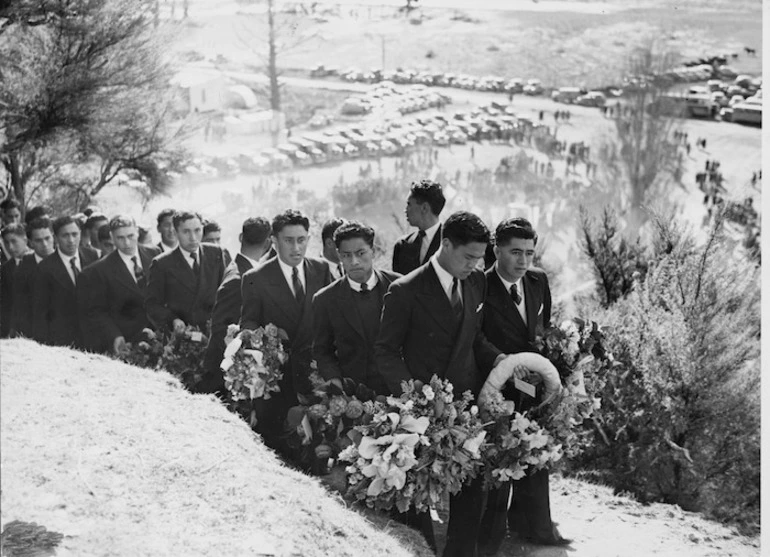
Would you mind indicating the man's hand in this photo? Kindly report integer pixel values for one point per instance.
(178, 325)
(119, 345)
(520, 372)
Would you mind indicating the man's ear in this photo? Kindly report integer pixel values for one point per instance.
(240, 237)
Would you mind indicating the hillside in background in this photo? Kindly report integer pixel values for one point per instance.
(123, 461)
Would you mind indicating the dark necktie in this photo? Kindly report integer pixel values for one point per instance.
(364, 288)
(420, 239)
(457, 302)
(196, 266)
(515, 294)
(75, 270)
(138, 272)
(299, 292)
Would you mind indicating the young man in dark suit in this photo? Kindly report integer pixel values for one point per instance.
(112, 311)
(255, 242)
(518, 301)
(280, 291)
(55, 313)
(424, 205)
(346, 314)
(15, 242)
(40, 239)
(329, 253)
(432, 324)
(168, 241)
(182, 284)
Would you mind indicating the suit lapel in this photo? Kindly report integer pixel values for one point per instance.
(179, 267)
(531, 302)
(243, 264)
(436, 299)
(470, 303)
(146, 258)
(60, 272)
(503, 302)
(282, 294)
(434, 245)
(122, 273)
(347, 306)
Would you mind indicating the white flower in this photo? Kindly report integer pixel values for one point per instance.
(233, 347)
(538, 440)
(428, 392)
(473, 444)
(474, 410)
(257, 355)
(227, 363)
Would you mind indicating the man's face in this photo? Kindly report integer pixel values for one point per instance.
(68, 239)
(413, 211)
(16, 245)
(213, 237)
(462, 259)
(515, 257)
(167, 232)
(125, 239)
(189, 233)
(106, 246)
(11, 216)
(291, 244)
(41, 241)
(357, 258)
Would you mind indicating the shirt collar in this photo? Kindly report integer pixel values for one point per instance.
(253, 262)
(444, 277)
(431, 232)
(288, 270)
(508, 284)
(38, 259)
(127, 258)
(66, 258)
(371, 283)
(188, 253)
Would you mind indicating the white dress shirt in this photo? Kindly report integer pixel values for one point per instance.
(520, 288)
(371, 283)
(189, 259)
(67, 265)
(335, 268)
(130, 263)
(428, 240)
(38, 259)
(288, 271)
(445, 278)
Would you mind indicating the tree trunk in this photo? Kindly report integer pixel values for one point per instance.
(272, 63)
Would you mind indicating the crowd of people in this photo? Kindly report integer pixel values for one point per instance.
(456, 302)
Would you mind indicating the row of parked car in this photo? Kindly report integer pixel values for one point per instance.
(387, 138)
(433, 79)
(385, 96)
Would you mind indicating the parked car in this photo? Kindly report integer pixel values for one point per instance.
(567, 95)
(592, 98)
(533, 87)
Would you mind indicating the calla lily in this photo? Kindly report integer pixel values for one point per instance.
(415, 425)
(538, 440)
(370, 446)
(226, 364)
(233, 347)
(473, 444)
(256, 354)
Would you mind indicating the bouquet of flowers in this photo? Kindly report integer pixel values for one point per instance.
(143, 353)
(518, 445)
(573, 343)
(415, 448)
(183, 353)
(321, 428)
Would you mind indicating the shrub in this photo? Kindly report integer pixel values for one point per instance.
(681, 410)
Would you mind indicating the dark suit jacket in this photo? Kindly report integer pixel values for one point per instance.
(227, 310)
(8, 271)
(406, 252)
(55, 313)
(174, 293)
(340, 346)
(418, 337)
(114, 304)
(503, 325)
(267, 298)
(24, 280)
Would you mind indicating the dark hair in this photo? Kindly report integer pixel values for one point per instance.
(514, 228)
(354, 229)
(462, 228)
(38, 224)
(211, 226)
(103, 233)
(329, 227)
(17, 229)
(429, 192)
(9, 203)
(61, 222)
(290, 217)
(164, 214)
(255, 231)
(35, 213)
(181, 216)
(121, 221)
(93, 219)
(142, 233)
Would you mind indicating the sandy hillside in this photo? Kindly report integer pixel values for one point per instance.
(122, 461)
